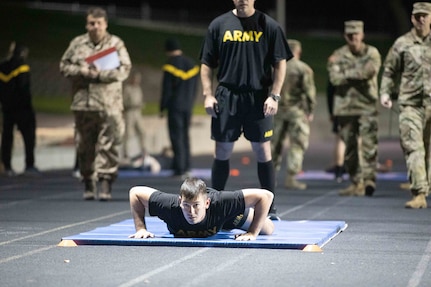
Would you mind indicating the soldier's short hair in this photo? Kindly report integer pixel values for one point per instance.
(97, 12)
(421, 7)
(293, 44)
(353, 27)
(192, 188)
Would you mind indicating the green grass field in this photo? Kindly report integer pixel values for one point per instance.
(48, 33)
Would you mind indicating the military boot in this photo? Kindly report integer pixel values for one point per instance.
(292, 183)
(370, 187)
(90, 189)
(105, 190)
(418, 201)
(353, 190)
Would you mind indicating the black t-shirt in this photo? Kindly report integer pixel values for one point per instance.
(244, 50)
(224, 208)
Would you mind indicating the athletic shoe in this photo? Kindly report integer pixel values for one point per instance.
(274, 217)
(272, 214)
(338, 172)
(32, 171)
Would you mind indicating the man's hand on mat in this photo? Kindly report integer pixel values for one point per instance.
(142, 233)
(245, 237)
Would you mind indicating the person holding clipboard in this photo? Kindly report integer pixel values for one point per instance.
(97, 63)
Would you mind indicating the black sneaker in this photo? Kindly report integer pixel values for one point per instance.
(338, 171)
(272, 215)
(32, 171)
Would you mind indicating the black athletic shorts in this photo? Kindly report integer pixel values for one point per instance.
(241, 112)
(238, 221)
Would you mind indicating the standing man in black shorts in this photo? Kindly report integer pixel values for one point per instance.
(250, 51)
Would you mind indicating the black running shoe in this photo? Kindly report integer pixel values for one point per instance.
(272, 215)
(339, 170)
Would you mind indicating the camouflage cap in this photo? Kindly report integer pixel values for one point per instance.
(353, 26)
(293, 44)
(421, 7)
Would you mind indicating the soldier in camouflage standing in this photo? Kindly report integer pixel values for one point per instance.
(295, 112)
(97, 101)
(133, 102)
(409, 61)
(353, 70)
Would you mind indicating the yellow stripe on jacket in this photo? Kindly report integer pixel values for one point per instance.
(20, 70)
(184, 75)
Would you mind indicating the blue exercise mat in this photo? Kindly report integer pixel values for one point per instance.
(287, 235)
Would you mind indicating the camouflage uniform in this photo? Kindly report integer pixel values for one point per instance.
(97, 105)
(355, 104)
(133, 101)
(298, 101)
(409, 60)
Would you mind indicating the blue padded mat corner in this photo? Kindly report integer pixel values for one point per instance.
(287, 235)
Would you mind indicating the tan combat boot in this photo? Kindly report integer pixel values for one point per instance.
(418, 201)
(105, 190)
(90, 189)
(353, 190)
(292, 183)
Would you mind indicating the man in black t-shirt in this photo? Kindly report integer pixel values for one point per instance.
(202, 212)
(249, 50)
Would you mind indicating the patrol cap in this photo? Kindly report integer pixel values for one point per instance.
(293, 44)
(172, 44)
(353, 26)
(421, 7)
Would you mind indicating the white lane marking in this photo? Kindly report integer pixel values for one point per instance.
(64, 227)
(416, 278)
(30, 253)
(147, 275)
(203, 278)
(297, 207)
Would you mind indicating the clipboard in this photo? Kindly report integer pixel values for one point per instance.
(105, 60)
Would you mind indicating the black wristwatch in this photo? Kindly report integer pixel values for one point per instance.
(275, 97)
